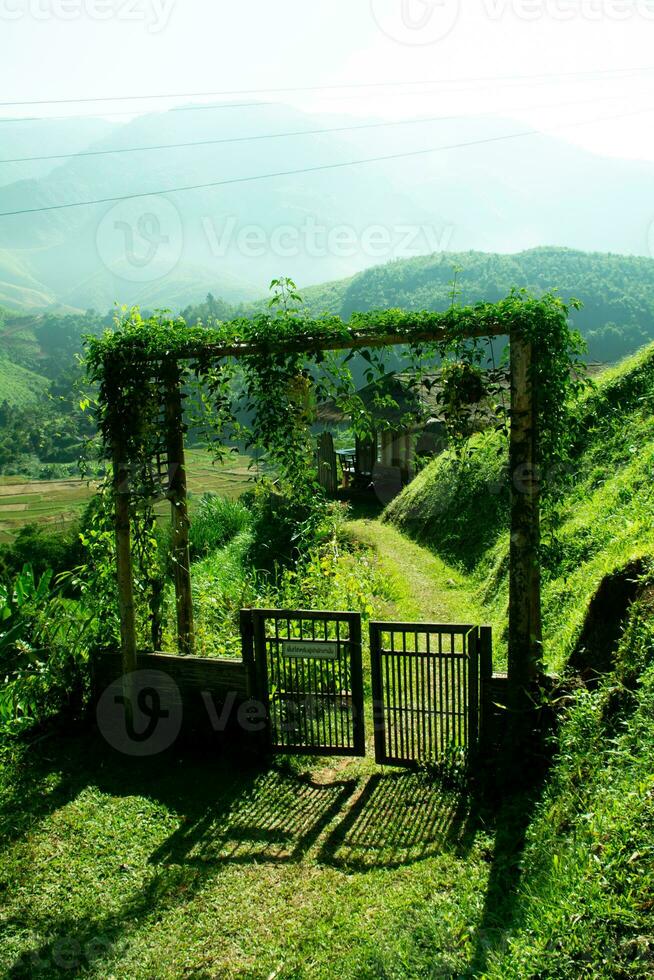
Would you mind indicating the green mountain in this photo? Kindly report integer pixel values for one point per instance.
(232, 238)
(23, 138)
(617, 290)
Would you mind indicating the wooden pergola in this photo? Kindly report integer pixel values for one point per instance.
(525, 635)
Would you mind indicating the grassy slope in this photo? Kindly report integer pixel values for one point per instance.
(18, 287)
(607, 518)
(582, 902)
(584, 907)
(18, 386)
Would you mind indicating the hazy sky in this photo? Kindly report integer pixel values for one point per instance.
(67, 49)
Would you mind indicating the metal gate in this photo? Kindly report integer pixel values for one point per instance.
(310, 679)
(425, 687)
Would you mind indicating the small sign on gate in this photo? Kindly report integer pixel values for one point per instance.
(313, 649)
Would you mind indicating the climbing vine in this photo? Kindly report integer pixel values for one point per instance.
(283, 372)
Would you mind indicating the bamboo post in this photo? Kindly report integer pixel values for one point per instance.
(179, 513)
(124, 574)
(525, 634)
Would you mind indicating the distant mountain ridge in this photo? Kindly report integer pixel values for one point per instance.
(171, 249)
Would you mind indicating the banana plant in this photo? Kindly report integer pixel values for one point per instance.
(40, 636)
(17, 604)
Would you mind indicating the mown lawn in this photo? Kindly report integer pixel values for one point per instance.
(201, 868)
(179, 866)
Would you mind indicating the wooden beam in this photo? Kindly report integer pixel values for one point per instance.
(124, 575)
(311, 345)
(179, 512)
(525, 632)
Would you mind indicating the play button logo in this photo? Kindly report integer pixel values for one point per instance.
(415, 22)
(155, 720)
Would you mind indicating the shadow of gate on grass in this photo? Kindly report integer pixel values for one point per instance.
(277, 818)
(398, 819)
(228, 815)
(395, 820)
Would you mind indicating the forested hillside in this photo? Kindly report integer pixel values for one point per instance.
(617, 291)
(617, 318)
(40, 420)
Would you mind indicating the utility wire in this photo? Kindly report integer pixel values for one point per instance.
(323, 88)
(322, 98)
(125, 112)
(294, 133)
(316, 169)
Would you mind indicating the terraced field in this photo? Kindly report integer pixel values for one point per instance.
(59, 502)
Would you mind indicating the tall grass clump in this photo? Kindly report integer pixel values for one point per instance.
(223, 583)
(291, 552)
(216, 521)
(43, 652)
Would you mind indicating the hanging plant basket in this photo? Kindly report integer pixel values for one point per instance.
(463, 384)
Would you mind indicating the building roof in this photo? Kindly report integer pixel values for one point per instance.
(397, 395)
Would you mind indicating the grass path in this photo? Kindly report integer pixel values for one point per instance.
(425, 588)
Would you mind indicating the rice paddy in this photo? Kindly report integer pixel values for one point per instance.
(60, 502)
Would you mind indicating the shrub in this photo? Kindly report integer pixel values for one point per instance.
(42, 549)
(331, 577)
(42, 651)
(285, 526)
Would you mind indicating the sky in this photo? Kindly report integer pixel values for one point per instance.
(552, 64)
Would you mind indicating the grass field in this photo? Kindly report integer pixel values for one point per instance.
(172, 867)
(59, 502)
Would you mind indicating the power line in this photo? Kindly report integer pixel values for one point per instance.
(540, 79)
(124, 112)
(294, 133)
(316, 169)
(323, 88)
